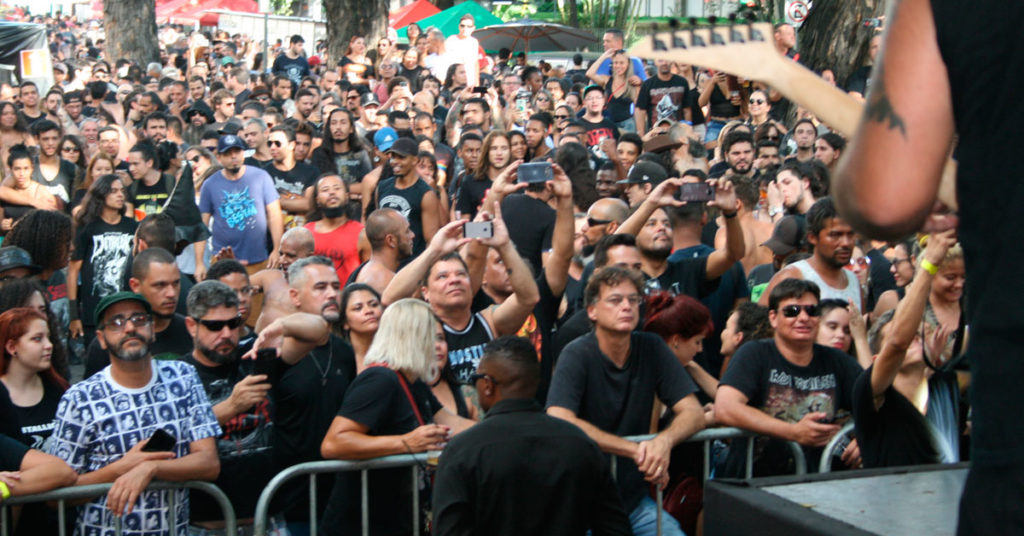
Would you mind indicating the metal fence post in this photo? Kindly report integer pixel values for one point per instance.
(661, 499)
(312, 504)
(3, 521)
(750, 458)
(415, 500)
(62, 522)
(364, 500)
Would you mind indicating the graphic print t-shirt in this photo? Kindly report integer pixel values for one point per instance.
(239, 212)
(98, 421)
(103, 249)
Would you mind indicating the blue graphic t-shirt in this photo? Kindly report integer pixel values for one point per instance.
(238, 209)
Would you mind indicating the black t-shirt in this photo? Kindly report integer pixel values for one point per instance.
(407, 201)
(471, 195)
(103, 249)
(685, 276)
(896, 434)
(530, 223)
(787, 392)
(252, 161)
(293, 182)
(37, 422)
(169, 344)
(377, 399)
(597, 132)
(59, 185)
(148, 200)
(619, 400)
(664, 98)
(293, 68)
(12, 452)
(618, 109)
(721, 105)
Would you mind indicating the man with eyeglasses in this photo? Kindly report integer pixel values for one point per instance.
(104, 423)
(787, 387)
(606, 382)
(237, 388)
(833, 241)
(666, 95)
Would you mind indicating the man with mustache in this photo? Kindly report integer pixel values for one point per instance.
(238, 390)
(833, 240)
(147, 396)
(335, 236)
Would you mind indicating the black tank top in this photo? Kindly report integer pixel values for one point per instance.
(980, 46)
(406, 201)
(466, 347)
(619, 108)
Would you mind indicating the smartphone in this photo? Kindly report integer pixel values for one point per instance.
(480, 90)
(479, 229)
(264, 362)
(535, 172)
(695, 191)
(160, 441)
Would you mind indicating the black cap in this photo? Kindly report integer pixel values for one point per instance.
(119, 297)
(644, 172)
(14, 257)
(404, 147)
(787, 236)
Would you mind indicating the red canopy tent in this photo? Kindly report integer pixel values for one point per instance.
(193, 10)
(418, 10)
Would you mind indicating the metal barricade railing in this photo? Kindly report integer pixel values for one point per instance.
(337, 466)
(825, 465)
(74, 493)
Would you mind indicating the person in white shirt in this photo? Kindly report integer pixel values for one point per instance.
(463, 48)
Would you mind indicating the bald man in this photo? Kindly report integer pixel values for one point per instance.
(390, 238)
(273, 302)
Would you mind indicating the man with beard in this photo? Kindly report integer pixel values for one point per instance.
(135, 397)
(305, 102)
(833, 241)
(237, 392)
(307, 395)
(641, 180)
(652, 226)
(292, 179)
(390, 238)
(156, 278)
(407, 193)
(804, 134)
(738, 148)
(335, 236)
(665, 95)
(342, 151)
(791, 193)
(154, 127)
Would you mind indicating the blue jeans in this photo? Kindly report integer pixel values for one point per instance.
(644, 520)
(713, 128)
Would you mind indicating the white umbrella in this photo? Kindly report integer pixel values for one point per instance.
(528, 34)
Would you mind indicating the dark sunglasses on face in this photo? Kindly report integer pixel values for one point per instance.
(274, 143)
(594, 222)
(217, 325)
(195, 159)
(756, 101)
(793, 311)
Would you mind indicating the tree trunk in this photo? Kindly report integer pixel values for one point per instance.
(346, 18)
(131, 31)
(834, 35)
(573, 10)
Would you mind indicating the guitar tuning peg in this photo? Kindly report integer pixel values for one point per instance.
(693, 22)
(732, 18)
(734, 35)
(715, 38)
(755, 34)
(673, 23)
(712, 20)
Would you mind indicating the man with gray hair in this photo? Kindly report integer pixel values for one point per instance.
(237, 388)
(255, 135)
(307, 395)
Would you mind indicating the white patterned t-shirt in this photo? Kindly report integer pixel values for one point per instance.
(98, 421)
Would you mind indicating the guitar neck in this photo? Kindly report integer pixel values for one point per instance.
(828, 103)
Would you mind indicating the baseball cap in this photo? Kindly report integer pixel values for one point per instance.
(404, 147)
(644, 171)
(786, 236)
(226, 143)
(385, 138)
(227, 60)
(14, 257)
(369, 99)
(592, 87)
(60, 66)
(119, 297)
(661, 142)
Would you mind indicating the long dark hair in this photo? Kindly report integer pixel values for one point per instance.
(95, 199)
(354, 142)
(19, 123)
(77, 142)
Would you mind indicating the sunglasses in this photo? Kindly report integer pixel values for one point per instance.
(793, 311)
(594, 222)
(217, 325)
(756, 101)
(275, 143)
(195, 159)
(560, 117)
(473, 378)
(859, 261)
(69, 149)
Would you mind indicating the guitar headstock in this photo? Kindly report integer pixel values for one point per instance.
(742, 49)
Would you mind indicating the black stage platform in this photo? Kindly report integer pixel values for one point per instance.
(901, 501)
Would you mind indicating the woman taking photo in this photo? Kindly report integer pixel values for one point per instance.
(361, 306)
(355, 66)
(389, 409)
(27, 373)
(495, 156)
(20, 181)
(619, 93)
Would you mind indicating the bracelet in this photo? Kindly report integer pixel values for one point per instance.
(929, 267)
(5, 492)
(729, 215)
(73, 313)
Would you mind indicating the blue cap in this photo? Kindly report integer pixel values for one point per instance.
(384, 138)
(230, 141)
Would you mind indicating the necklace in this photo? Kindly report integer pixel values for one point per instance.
(324, 372)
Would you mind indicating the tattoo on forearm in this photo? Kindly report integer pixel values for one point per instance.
(880, 110)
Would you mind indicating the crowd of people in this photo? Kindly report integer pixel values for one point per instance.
(516, 264)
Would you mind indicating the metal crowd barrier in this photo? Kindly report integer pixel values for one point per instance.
(415, 461)
(826, 456)
(94, 490)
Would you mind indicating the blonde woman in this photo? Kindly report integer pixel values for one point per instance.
(619, 93)
(389, 409)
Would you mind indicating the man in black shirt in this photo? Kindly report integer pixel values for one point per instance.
(509, 474)
(606, 382)
(156, 277)
(787, 387)
(293, 180)
(598, 127)
(292, 63)
(665, 95)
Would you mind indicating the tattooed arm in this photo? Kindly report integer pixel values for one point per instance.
(889, 178)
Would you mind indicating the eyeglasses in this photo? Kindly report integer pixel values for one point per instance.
(118, 323)
(195, 159)
(559, 117)
(70, 149)
(862, 262)
(217, 325)
(275, 143)
(756, 101)
(897, 262)
(793, 311)
(475, 377)
(616, 300)
(594, 222)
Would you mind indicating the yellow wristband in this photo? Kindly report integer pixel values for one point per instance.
(929, 267)
(5, 491)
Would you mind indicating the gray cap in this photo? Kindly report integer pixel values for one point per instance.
(12, 257)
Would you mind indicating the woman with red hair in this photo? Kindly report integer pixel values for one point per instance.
(27, 373)
(682, 322)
